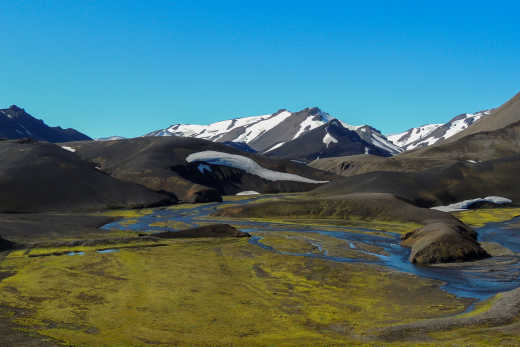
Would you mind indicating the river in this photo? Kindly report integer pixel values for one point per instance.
(478, 280)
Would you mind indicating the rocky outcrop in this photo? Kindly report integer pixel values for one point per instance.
(443, 242)
(214, 230)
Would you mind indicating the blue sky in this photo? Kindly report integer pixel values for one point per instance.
(129, 67)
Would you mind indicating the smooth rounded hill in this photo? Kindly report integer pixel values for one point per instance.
(159, 163)
(213, 230)
(442, 238)
(41, 176)
(437, 186)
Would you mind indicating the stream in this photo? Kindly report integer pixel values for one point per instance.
(478, 280)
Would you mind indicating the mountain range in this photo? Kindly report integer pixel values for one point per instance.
(304, 136)
(282, 134)
(430, 134)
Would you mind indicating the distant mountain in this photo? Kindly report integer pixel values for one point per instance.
(430, 134)
(499, 118)
(110, 138)
(266, 133)
(15, 123)
(331, 139)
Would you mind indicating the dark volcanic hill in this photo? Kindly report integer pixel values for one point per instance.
(483, 160)
(440, 185)
(159, 163)
(329, 140)
(41, 176)
(15, 123)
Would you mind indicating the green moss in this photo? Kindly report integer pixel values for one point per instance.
(213, 292)
(126, 213)
(479, 218)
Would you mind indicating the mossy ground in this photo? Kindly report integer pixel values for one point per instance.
(212, 292)
(215, 292)
(480, 217)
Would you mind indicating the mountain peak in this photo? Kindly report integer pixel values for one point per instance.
(15, 108)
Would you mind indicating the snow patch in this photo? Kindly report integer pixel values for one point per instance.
(464, 205)
(328, 139)
(70, 149)
(278, 145)
(246, 164)
(248, 192)
(204, 167)
(311, 123)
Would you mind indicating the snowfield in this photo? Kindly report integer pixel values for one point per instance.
(67, 148)
(248, 192)
(464, 205)
(328, 139)
(248, 165)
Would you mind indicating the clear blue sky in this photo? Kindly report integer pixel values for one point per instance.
(129, 67)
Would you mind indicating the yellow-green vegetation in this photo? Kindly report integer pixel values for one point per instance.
(127, 213)
(185, 206)
(46, 251)
(482, 307)
(340, 224)
(295, 242)
(213, 292)
(479, 218)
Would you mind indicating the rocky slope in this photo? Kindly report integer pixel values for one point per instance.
(15, 123)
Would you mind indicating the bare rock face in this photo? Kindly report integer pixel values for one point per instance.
(443, 242)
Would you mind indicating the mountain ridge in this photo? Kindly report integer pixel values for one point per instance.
(16, 123)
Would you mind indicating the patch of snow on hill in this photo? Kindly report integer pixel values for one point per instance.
(328, 139)
(312, 123)
(262, 126)
(211, 131)
(67, 148)
(464, 205)
(248, 192)
(278, 145)
(246, 164)
(414, 134)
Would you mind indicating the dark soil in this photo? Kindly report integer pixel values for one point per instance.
(214, 230)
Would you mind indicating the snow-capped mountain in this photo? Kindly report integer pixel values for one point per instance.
(331, 139)
(15, 123)
(430, 134)
(266, 133)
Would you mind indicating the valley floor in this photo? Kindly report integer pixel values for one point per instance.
(212, 292)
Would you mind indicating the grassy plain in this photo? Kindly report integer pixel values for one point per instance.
(480, 217)
(212, 292)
